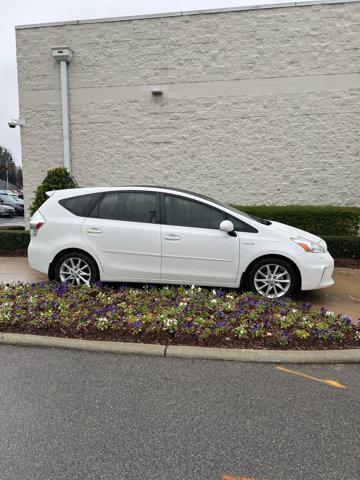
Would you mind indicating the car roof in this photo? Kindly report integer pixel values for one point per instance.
(85, 190)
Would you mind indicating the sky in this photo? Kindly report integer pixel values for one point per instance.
(20, 12)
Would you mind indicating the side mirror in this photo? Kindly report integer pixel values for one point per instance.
(226, 226)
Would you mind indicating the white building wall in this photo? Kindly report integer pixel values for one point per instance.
(259, 106)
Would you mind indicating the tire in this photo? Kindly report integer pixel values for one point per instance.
(273, 277)
(73, 261)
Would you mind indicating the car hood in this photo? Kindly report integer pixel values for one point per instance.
(295, 232)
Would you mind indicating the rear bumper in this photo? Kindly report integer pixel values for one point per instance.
(40, 255)
(317, 273)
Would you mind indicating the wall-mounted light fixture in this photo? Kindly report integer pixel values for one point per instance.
(156, 91)
(14, 123)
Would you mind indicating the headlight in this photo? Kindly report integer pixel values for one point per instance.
(309, 246)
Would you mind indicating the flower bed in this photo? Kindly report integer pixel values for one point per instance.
(172, 315)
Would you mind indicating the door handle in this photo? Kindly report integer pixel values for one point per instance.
(94, 230)
(172, 237)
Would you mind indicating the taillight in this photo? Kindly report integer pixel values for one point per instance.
(36, 222)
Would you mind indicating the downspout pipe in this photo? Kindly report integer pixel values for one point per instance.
(63, 55)
(65, 114)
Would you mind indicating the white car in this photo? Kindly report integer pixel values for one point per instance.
(165, 235)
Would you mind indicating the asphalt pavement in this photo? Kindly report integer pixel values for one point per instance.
(17, 221)
(74, 415)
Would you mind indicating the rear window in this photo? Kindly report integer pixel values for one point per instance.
(81, 205)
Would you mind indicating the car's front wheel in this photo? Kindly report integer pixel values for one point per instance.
(273, 278)
(76, 268)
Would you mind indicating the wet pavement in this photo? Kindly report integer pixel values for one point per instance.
(68, 415)
(343, 297)
(17, 221)
(16, 269)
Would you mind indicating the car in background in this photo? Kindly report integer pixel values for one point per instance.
(17, 199)
(16, 203)
(10, 192)
(6, 210)
(166, 235)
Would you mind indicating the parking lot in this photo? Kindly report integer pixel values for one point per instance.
(16, 221)
(73, 415)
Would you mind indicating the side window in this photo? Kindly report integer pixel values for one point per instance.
(80, 205)
(188, 213)
(128, 207)
(241, 226)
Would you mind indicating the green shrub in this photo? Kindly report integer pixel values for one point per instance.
(11, 227)
(320, 220)
(343, 247)
(13, 240)
(56, 179)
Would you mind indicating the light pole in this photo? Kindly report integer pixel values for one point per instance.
(7, 174)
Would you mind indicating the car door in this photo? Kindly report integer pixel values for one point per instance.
(124, 231)
(194, 250)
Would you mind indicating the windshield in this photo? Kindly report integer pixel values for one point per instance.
(7, 199)
(236, 210)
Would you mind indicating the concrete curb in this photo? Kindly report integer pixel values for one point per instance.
(266, 356)
(84, 345)
(178, 351)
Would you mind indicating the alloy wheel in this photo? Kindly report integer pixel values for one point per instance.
(272, 281)
(75, 271)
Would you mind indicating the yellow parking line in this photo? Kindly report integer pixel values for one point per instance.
(331, 383)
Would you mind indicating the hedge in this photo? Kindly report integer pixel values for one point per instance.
(320, 220)
(343, 247)
(13, 240)
(11, 227)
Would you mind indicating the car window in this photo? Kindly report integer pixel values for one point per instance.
(185, 212)
(189, 213)
(128, 206)
(80, 205)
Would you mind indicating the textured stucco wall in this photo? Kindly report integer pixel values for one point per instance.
(260, 106)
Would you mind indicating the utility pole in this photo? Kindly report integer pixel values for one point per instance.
(7, 175)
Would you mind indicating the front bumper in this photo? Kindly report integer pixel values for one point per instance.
(316, 271)
(7, 213)
(19, 211)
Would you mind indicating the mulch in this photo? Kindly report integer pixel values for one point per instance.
(347, 262)
(13, 253)
(168, 339)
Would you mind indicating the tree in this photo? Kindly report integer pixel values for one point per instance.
(56, 179)
(19, 178)
(7, 163)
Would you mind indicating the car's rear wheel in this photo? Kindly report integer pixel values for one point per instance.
(76, 268)
(273, 278)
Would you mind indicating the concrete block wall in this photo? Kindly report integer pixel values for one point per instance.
(260, 106)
